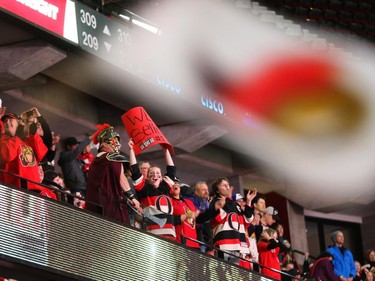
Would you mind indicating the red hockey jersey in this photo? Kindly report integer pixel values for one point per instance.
(155, 201)
(185, 228)
(21, 157)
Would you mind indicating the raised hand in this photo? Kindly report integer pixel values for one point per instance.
(250, 196)
(130, 144)
(265, 236)
(220, 203)
(136, 205)
(55, 138)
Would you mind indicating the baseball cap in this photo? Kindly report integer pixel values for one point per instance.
(50, 175)
(237, 196)
(272, 211)
(71, 141)
(186, 190)
(294, 272)
(176, 179)
(171, 181)
(9, 115)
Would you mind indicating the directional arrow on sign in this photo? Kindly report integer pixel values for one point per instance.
(106, 30)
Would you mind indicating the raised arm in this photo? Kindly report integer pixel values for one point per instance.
(171, 168)
(137, 177)
(132, 158)
(168, 157)
(250, 196)
(73, 154)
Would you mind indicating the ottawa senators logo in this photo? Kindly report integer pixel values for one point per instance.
(234, 222)
(189, 221)
(163, 204)
(27, 156)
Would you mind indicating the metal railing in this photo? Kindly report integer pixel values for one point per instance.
(56, 189)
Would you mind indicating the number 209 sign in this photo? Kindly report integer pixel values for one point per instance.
(102, 36)
(88, 32)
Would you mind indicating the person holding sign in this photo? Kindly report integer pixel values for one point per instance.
(107, 185)
(143, 131)
(154, 194)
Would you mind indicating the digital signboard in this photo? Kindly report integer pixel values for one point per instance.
(114, 40)
(56, 16)
(95, 33)
(104, 37)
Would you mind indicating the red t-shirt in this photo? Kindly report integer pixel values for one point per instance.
(185, 228)
(270, 259)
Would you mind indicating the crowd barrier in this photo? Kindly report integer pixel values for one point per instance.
(61, 238)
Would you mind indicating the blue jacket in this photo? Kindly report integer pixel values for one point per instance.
(343, 264)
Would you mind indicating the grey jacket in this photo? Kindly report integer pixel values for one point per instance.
(71, 167)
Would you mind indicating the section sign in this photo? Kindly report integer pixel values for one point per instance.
(104, 37)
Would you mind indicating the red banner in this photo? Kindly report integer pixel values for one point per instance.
(143, 131)
(49, 14)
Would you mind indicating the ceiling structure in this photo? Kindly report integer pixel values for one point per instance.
(75, 94)
(350, 18)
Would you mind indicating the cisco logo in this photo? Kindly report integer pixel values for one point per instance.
(212, 104)
(168, 85)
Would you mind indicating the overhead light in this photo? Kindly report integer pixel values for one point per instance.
(124, 17)
(146, 26)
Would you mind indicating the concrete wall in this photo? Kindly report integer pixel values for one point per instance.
(368, 233)
(297, 229)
